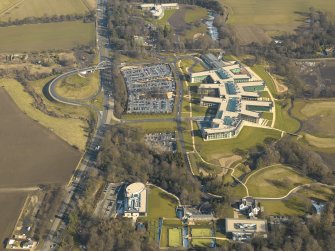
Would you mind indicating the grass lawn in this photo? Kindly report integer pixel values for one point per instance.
(40, 8)
(201, 242)
(51, 36)
(317, 191)
(198, 68)
(260, 71)
(274, 181)
(248, 137)
(71, 130)
(165, 235)
(79, 87)
(175, 237)
(161, 204)
(147, 116)
(267, 115)
(278, 207)
(283, 120)
(166, 17)
(149, 127)
(319, 142)
(201, 232)
(318, 116)
(194, 14)
(201, 29)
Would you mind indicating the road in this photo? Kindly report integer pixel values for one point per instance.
(79, 179)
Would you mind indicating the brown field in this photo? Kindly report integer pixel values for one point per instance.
(30, 153)
(11, 204)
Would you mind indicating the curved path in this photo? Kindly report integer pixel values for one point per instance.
(76, 102)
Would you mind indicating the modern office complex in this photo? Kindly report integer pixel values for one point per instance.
(234, 90)
(135, 200)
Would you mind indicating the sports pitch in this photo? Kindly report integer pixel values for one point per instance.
(201, 232)
(174, 237)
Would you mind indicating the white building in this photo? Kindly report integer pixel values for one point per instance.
(235, 91)
(157, 10)
(135, 200)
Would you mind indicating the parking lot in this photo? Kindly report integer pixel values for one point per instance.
(150, 88)
(107, 206)
(165, 142)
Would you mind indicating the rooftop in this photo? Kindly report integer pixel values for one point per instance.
(245, 225)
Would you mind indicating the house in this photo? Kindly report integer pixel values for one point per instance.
(249, 206)
(135, 200)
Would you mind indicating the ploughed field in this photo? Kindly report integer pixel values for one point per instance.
(11, 204)
(30, 153)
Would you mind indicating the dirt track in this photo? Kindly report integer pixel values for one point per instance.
(29, 153)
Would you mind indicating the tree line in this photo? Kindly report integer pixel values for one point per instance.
(125, 157)
(89, 17)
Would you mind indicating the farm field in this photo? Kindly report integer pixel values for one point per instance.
(79, 87)
(34, 155)
(274, 181)
(40, 8)
(51, 36)
(248, 137)
(266, 18)
(5, 4)
(73, 131)
(11, 204)
(317, 116)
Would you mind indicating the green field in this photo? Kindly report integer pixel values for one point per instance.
(279, 207)
(283, 120)
(79, 86)
(275, 181)
(201, 232)
(248, 137)
(317, 116)
(175, 237)
(195, 14)
(273, 16)
(51, 36)
(40, 8)
(71, 130)
(161, 204)
(261, 72)
(164, 20)
(168, 225)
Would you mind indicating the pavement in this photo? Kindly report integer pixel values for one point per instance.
(80, 177)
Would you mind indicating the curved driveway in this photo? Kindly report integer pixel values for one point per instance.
(76, 102)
